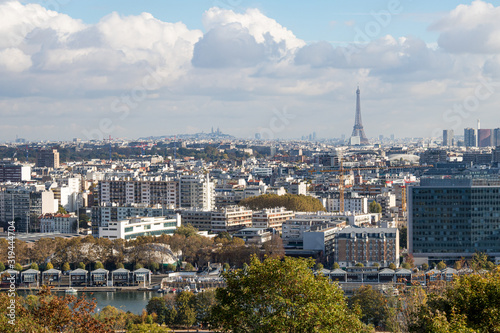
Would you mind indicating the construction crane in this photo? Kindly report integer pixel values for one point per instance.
(341, 171)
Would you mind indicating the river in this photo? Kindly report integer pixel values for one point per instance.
(133, 301)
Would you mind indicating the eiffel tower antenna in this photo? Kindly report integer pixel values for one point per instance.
(358, 124)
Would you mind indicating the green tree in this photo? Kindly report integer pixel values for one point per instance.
(186, 230)
(202, 304)
(120, 265)
(34, 265)
(226, 267)
(373, 305)
(441, 265)
(154, 266)
(301, 203)
(137, 266)
(359, 264)
(49, 266)
(318, 266)
(189, 267)
(281, 296)
(403, 237)
(375, 207)
(98, 265)
(81, 265)
(392, 266)
(425, 266)
(65, 267)
(171, 267)
(480, 261)
(2, 267)
(406, 265)
(157, 305)
(186, 315)
(471, 303)
(147, 328)
(62, 210)
(335, 265)
(83, 221)
(18, 267)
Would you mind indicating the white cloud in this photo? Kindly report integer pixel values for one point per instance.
(14, 60)
(257, 24)
(473, 28)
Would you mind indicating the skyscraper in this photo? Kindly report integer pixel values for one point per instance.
(448, 138)
(484, 137)
(358, 124)
(470, 137)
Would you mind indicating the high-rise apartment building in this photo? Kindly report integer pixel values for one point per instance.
(470, 137)
(496, 137)
(127, 192)
(448, 138)
(484, 137)
(196, 192)
(48, 158)
(451, 218)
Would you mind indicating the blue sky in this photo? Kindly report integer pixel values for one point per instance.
(310, 20)
(138, 68)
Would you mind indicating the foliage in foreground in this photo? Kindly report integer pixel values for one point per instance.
(470, 304)
(282, 296)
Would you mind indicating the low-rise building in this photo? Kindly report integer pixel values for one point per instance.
(63, 223)
(271, 218)
(198, 218)
(231, 219)
(254, 235)
(140, 226)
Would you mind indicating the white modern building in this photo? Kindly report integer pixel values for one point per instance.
(196, 192)
(140, 226)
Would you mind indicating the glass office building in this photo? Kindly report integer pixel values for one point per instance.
(454, 217)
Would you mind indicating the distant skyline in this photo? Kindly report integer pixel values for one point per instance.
(89, 69)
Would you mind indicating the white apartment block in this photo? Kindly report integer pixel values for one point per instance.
(63, 223)
(271, 218)
(231, 219)
(196, 192)
(352, 203)
(126, 192)
(140, 226)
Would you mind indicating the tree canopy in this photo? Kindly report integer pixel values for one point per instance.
(298, 203)
(375, 207)
(281, 296)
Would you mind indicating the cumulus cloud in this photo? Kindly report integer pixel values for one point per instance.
(473, 28)
(242, 40)
(242, 66)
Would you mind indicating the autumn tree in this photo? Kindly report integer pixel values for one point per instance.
(46, 312)
(374, 207)
(65, 267)
(300, 203)
(373, 305)
(281, 296)
(471, 303)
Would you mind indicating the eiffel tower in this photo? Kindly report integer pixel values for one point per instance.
(358, 124)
